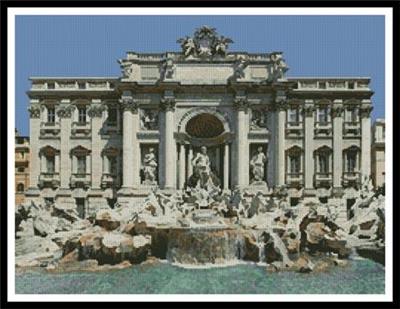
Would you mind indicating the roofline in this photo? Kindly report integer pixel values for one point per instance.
(327, 77)
(72, 77)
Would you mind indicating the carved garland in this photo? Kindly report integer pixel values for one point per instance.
(34, 111)
(241, 103)
(168, 103)
(96, 110)
(337, 111)
(128, 103)
(365, 111)
(65, 111)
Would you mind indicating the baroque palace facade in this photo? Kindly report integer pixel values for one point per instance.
(96, 141)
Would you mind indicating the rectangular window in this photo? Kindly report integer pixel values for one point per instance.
(21, 169)
(294, 164)
(324, 163)
(50, 164)
(351, 161)
(113, 165)
(82, 85)
(51, 114)
(81, 165)
(323, 114)
(293, 115)
(82, 114)
(51, 86)
(112, 116)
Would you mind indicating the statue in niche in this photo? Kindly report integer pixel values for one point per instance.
(149, 120)
(257, 164)
(257, 120)
(150, 168)
(203, 177)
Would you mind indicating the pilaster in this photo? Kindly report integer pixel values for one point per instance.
(308, 166)
(366, 141)
(337, 115)
(280, 107)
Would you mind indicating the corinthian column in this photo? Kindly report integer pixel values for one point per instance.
(131, 151)
(34, 131)
(241, 179)
(308, 146)
(366, 109)
(168, 142)
(280, 108)
(95, 113)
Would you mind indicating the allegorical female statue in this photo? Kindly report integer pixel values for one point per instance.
(257, 164)
(150, 168)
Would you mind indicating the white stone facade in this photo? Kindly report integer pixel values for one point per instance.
(89, 136)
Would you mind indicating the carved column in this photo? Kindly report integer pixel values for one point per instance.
(241, 177)
(226, 166)
(280, 108)
(189, 163)
(95, 113)
(34, 131)
(131, 151)
(182, 165)
(309, 109)
(337, 115)
(64, 112)
(169, 145)
(365, 111)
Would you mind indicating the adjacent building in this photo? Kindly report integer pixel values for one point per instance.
(92, 138)
(378, 153)
(22, 161)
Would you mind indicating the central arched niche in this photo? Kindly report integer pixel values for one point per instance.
(204, 126)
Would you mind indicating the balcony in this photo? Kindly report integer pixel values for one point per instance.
(109, 180)
(323, 180)
(351, 179)
(352, 128)
(323, 129)
(49, 180)
(80, 180)
(81, 129)
(50, 129)
(294, 129)
(294, 180)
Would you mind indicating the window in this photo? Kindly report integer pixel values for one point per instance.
(80, 206)
(322, 85)
(51, 86)
(82, 114)
(82, 85)
(112, 116)
(351, 85)
(21, 169)
(50, 164)
(51, 114)
(81, 165)
(20, 187)
(293, 115)
(323, 114)
(113, 165)
(351, 161)
(324, 163)
(294, 164)
(352, 114)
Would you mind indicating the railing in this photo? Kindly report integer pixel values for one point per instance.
(81, 128)
(294, 179)
(50, 129)
(351, 178)
(352, 128)
(294, 128)
(51, 180)
(323, 128)
(80, 180)
(322, 179)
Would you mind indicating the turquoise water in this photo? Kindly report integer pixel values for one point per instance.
(359, 277)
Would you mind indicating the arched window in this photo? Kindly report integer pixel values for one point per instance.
(20, 187)
(323, 160)
(293, 156)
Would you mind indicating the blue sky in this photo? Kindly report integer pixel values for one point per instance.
(91, 45)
